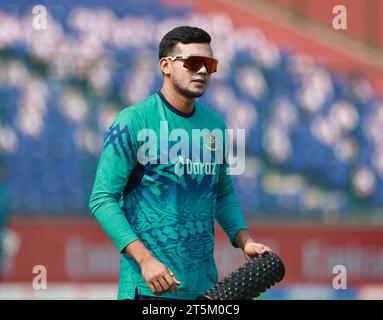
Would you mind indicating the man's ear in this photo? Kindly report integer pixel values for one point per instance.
(165, 66)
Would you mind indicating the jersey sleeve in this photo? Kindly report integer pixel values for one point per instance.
(117, 160)
(228, 210)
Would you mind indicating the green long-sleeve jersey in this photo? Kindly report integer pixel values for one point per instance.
(158, 181)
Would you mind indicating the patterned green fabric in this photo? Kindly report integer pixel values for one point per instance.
(170, 205)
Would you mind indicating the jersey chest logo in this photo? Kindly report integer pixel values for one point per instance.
(211, 143)
(183, 166)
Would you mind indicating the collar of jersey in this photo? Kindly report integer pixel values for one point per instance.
(171, 108)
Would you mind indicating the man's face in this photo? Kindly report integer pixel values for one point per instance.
(189, 83)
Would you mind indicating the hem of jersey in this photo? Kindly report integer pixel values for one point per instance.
(146, 292)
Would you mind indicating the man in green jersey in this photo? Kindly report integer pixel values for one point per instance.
(163, 178)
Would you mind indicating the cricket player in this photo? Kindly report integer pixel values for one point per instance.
(155, 194)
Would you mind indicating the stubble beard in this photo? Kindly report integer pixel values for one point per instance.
(188, 93)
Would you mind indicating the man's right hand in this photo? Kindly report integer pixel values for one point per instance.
(159, 278)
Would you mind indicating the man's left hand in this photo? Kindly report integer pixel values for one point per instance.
(252, 249)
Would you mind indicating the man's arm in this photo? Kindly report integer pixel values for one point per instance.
(116, 163)
(228, 211)
(230, 216)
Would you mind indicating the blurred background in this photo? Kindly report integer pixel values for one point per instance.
(309, 97)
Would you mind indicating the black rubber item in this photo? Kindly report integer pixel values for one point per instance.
(250, 280)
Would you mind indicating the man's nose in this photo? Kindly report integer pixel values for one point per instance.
(203, 69)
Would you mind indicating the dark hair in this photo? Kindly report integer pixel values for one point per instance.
(184, 35)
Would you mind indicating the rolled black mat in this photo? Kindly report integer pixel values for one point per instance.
(249, 281)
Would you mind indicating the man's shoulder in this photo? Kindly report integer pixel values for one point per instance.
(138, 113)
(142, 107)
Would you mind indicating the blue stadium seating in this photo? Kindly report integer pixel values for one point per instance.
(51, 174)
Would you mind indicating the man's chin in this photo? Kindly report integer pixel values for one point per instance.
(194, 94)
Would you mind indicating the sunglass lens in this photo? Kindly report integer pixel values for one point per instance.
(195, 63)
(213, 65)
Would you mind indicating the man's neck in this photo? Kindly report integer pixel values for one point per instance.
(178, 101)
